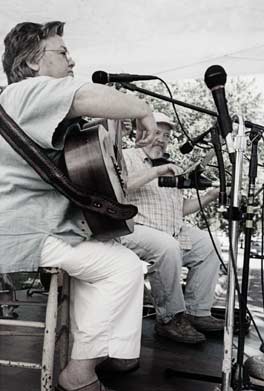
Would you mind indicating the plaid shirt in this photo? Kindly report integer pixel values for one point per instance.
(158, 207)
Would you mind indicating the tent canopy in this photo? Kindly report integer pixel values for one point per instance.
(172, 39)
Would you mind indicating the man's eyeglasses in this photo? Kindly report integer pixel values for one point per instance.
(63, 52)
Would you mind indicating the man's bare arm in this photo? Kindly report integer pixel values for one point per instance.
(191, 205)
(95, 100)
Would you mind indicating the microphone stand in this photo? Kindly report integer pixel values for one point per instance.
(226, 379)
(240, 380)
(229, 370)
(227, 365)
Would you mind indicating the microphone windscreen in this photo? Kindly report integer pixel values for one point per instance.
(215, 76)
(186, 148)
(100, 77)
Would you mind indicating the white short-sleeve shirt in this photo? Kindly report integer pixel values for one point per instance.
(31, 209)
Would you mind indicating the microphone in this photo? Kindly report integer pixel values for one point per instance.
(194, 181)
(102, 77)
(189, 145)
(215, 79)
(198, 166)
(190, 178)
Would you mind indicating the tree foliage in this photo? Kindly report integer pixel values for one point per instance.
(243, 99)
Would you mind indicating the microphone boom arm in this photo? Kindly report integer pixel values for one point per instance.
(133, 87)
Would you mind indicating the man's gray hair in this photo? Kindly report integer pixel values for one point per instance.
(22, 45)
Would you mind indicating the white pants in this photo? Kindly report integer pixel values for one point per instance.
(106, 296)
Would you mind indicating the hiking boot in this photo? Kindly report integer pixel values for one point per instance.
(179, 329)
(206, 324)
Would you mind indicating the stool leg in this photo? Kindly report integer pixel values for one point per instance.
(50, 335)
(64, 322)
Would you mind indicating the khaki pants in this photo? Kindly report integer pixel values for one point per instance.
(167, 258)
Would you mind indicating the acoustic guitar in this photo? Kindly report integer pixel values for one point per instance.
(94, 161)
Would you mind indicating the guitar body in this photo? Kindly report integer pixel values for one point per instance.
(92, 164)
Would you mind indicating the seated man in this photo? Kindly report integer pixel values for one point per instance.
(162, 239)
(39, 227)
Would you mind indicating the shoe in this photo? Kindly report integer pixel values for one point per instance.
(179, 329)
(95, 386)
(254, 370)
(117, 365)
(206, 324)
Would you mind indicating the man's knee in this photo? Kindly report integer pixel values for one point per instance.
(132, 275)
(214, 250)
(209, 243)
(167, 258)
(214, 245)
(167, 248)
(132, 264)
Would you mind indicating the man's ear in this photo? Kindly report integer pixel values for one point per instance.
(33, 65)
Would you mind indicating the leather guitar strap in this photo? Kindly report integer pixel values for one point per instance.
(34, 155)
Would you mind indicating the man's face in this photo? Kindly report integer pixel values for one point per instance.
(55, 60)
(161, 140)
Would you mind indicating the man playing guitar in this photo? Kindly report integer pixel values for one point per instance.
(40, 227)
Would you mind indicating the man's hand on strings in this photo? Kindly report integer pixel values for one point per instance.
(146, 130)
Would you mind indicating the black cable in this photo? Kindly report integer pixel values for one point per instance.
(177, 115)
(174, 109)
(237, 286)
(209, 231)
(232, 260)
(207, 224)
(262, 248)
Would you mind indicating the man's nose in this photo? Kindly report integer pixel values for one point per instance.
(71, 61)
(160, 138)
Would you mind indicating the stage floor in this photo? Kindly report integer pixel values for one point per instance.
(157, 354)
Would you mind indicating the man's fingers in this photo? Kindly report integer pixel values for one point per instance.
(146, 130)
(143, 138)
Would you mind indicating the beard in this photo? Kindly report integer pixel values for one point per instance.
(154, 151)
